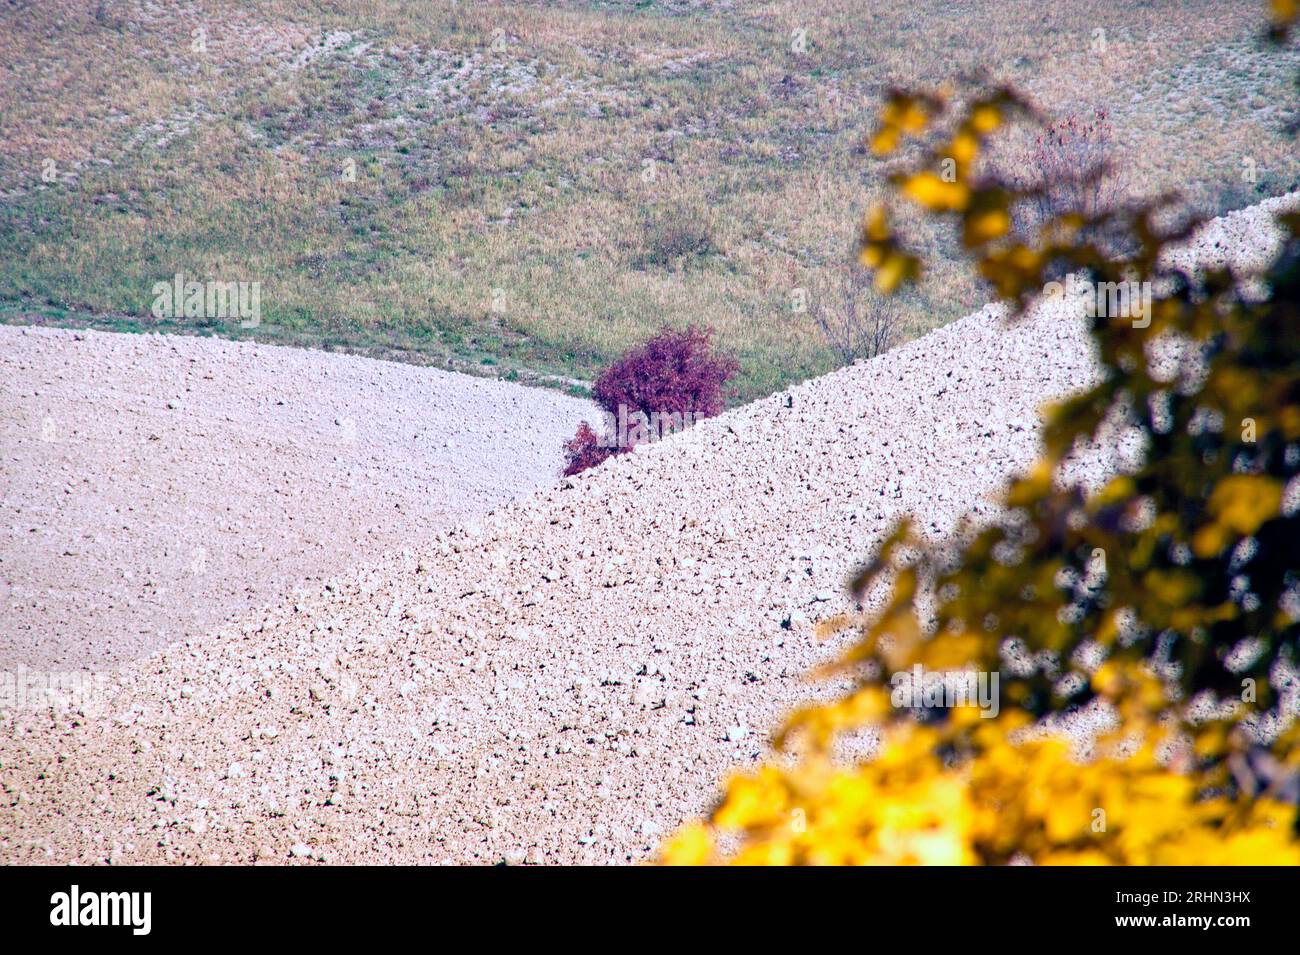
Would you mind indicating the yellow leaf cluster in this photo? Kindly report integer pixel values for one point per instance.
(1012, 802)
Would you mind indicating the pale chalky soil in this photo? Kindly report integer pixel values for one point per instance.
(153, 487)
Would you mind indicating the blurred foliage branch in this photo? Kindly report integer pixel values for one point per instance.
(1159, 612)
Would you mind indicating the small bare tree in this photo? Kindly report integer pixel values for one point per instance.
(1071, 163)
(1073, 159)
(856, 321)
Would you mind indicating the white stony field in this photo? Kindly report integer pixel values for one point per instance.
(153, 487)
(568, 677)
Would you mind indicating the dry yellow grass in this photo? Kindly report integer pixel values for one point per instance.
(518, 165)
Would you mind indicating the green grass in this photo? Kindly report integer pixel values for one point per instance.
(502, 218)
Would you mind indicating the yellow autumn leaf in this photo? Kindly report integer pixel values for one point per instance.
(875, 227)
(885, 141)
(691, 845)
(985, 118)
(1242, 502)
(935, 194)
(985, 226)
(963, 149)
(906, 113)
(1209, 540)
(894, 270)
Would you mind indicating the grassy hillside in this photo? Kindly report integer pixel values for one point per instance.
(537, 185)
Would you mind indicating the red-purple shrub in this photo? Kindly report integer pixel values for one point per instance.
(675, 374)
(584, 450)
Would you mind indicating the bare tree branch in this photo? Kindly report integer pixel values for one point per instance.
(855, 320)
